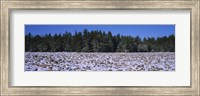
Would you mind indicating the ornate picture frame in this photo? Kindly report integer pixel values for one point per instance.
(8, 5)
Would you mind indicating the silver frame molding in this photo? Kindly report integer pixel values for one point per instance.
(8, 5)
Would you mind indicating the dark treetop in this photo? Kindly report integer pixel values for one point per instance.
(122, 29)
(97, 41)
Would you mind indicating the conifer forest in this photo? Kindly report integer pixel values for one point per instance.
(97, 41)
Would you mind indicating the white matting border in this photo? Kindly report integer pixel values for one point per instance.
(180, 77)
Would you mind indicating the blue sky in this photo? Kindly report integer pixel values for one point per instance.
(133, 30)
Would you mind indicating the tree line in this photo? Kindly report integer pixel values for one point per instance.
(97, 41)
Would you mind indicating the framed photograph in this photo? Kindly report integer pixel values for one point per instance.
(97, 47)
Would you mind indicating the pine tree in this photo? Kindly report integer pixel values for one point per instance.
(97, 41)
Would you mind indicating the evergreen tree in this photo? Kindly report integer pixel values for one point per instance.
(97, 41)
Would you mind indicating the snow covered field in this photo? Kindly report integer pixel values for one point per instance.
(72, 61)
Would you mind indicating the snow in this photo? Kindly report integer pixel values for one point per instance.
(72, 61)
